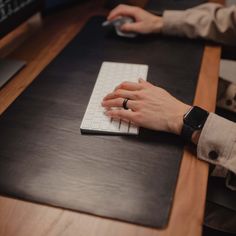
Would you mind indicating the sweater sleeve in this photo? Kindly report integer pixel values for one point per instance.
(209, 21)
(217, 142)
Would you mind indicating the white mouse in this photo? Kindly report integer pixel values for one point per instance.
(117, 23)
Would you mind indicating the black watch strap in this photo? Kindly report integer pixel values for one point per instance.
(187, 133)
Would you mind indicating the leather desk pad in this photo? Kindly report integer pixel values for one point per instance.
(45, 159)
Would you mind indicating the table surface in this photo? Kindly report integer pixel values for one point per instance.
(38, 42)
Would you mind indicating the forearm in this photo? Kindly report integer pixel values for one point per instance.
(210, 21)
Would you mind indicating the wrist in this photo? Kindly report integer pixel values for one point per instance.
(158, 24)
(176, 125)
(196, 136)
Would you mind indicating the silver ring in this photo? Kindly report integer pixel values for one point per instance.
(125, 103)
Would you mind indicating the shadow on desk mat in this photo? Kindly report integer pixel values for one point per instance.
(44, 158)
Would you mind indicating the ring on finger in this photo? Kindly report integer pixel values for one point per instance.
(124, 104)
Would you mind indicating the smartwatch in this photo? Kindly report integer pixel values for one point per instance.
(193, 120)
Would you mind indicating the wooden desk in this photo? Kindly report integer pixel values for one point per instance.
(38, 44)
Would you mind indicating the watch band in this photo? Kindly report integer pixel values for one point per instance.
(187, 133)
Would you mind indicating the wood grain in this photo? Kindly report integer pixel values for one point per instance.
(188, 209)
(24, 218)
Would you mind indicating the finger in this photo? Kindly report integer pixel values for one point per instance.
(140, 80)
(132, 27)
(122, 10)
(121, 114)
(144, 83)
(118, 102)
(131, 86)
(120, 93)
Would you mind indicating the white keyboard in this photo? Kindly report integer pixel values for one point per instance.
(110, 75)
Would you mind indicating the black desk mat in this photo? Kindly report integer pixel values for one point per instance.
(44, 158)
(161, 5)
(218, 193)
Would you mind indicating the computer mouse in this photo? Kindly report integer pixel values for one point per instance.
(117, 23)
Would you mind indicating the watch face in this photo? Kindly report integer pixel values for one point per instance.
(196, 117)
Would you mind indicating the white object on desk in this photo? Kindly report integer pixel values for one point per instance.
(228, 70)
(111, 74)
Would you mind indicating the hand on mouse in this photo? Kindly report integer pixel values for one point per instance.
(150, 106)
(144, 23)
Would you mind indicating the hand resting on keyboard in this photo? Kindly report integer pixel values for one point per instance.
(111, 74)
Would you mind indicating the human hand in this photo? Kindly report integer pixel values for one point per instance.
(150, 106)
(144, 23)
